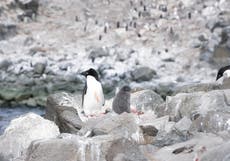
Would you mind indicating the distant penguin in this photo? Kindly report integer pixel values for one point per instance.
(121, 102)
(92, 96)
(223, 72)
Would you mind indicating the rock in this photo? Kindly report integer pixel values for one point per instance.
(143, 74)
(165, 89)
(183, 126)
(124, 125)
(217, 153)
(163, 8)
(14, 93)
(197, 104)
(5, 64)
(205, 87)
(98, 52)
(53, 149)
(145, 100)
(171, 132)
(75, 148)
(7, 30)
(149, 130)
(22, 131)
(39, 68)
(169, 138)
(194, 148)
(28, 5)
(63, 108)
(213, 122)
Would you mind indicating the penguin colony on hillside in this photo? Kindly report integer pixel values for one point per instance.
(93, 98)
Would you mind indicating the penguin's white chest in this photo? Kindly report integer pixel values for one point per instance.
(94, 97)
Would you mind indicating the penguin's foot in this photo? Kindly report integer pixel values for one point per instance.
(135, 111)
(96, 115)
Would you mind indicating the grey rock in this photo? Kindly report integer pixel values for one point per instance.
(5, 64)
(124, 125)
(63, 109)
(75, 148)
(169, 138)
(145, 100)
(149, 130)
(128, 149)
(7, 30)
(28, 5)
(9, 93)
(98, 52)
(196, 148)
(39, 68)
(22, 131)
(212, 122)
(165, 89)
(212, 24)
(217, 153)
(53, 149)
(183, 125)
(143, 74)
(190, 88)
(198, 103)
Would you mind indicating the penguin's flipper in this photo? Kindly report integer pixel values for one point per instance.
(83, 93)
(101, 95)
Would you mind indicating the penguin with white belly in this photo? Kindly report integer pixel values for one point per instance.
(92, 96)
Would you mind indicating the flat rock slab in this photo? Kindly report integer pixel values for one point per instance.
(71, 147)
(190, 149)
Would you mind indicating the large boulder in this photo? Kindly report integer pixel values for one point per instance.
(143, 74)
(22, 131)
(63, 109)
(201, 108)
(146, 100)
(76, 148)
(124, 125)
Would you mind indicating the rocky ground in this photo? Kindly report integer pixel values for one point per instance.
(189, 126)
(147, 43)
(172, 49)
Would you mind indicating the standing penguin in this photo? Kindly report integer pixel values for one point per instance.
(92, 96)
(121, 102)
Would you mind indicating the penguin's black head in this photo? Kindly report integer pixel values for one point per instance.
(126, 88)
(91, 72)
(221, 71)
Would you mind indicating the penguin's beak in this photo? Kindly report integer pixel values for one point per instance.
(83, 73)
(217, 77)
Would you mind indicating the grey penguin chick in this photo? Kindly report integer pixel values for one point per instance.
(121, 102)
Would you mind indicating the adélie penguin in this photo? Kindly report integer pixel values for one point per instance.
(121, 102)
(92, 96)
(223, 72)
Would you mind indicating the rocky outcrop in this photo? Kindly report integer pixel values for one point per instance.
(22, 131)
(63, 108)
(76, 148)
(204, 107)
